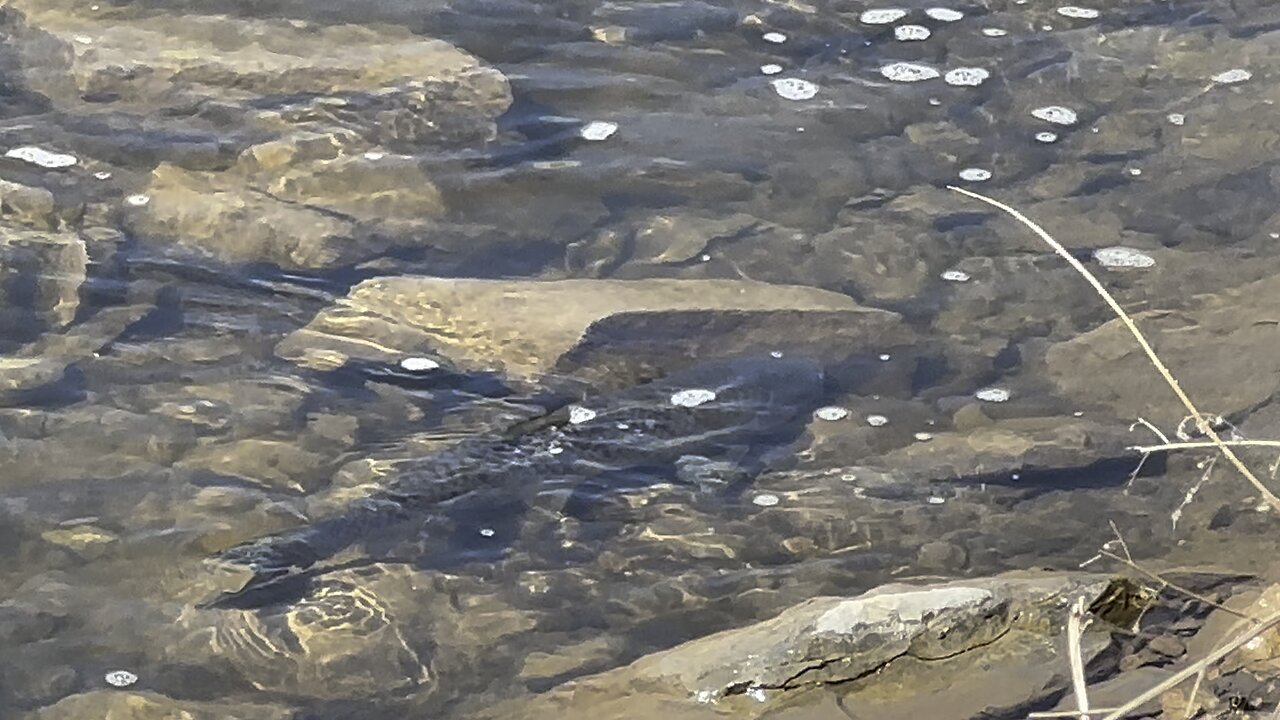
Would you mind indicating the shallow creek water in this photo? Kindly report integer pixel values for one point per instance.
(257, 258)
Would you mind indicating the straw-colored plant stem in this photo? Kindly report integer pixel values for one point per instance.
(1205, 427)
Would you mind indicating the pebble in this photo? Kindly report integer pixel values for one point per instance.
(776, 38)
(994, 32)
(1056, 114)
(120, 678)
(942, 14)
(579, 414)
(1046, 137)
(795, 88)
(910, 33)
(975, 175)
(598, 130)
(418, 364)
(955, 276)
(1230, 77)
(765, 500)
(882, 16)
(1119, 256)
(966, 76)
(877, 420)
(993, 395)
(831, 413)
(908, 72)
(1075, 11)
(137, 200)
(43, 158)
(692, 398)
(770, 69)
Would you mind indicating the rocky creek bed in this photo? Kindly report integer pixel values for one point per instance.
(254, 258)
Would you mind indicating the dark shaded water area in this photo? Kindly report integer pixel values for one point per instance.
(402, 359)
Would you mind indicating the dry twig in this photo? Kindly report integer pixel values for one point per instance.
(1074, 630)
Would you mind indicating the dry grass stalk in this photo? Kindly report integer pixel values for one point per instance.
(1062, 713)
(1075, 629)
(1204, 427)
(1204, 445)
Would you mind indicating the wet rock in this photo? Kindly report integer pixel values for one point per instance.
(227, 220)
(273, 463)
(383, 82)
(42, 271)
(832, 640)
(628, 344)
(117, 705)
(519, 327)
(1218, 349)
(32, 207)
(356, 633)
(1022, 451)
(43, 363)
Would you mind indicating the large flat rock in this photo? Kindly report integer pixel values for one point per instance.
(524, 327)
(834, 640)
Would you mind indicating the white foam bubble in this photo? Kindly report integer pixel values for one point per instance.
(120, 678)
(765, 500)
(910, 33)
(942, 14)
(418, 364)
(43, 158)
(1080, 13)
(795, 88)
(993, 395)
(1056, 114)
(877, 420)
(579, 414)
(975, 175)
(966, 76)
(598, 130)
(137, 200)
(1119, 256)
(1176, 118)
(487, 532)
(374, 155)
(692, 397)
(994, 32)
(908, 72)
(1232, 76)
(1046, 137)
(776, 38)
(882, 16)
(770, 69)
(831, 413)
(955, 276)
(923, 436)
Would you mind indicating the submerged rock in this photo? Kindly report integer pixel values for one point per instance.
(520, 327)
(410, 88)
(117, 705)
